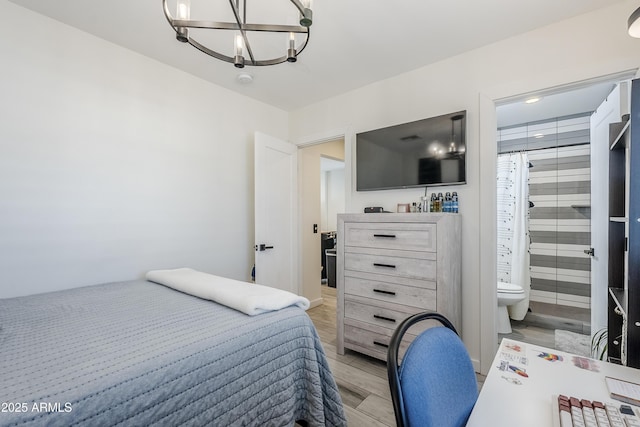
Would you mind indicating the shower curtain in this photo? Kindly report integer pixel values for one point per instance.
(513, 226)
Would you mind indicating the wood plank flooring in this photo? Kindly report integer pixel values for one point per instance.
(362, 380)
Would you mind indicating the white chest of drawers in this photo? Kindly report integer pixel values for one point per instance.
(390, 266)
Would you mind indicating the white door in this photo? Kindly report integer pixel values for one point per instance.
(276, 213)
(607, 112)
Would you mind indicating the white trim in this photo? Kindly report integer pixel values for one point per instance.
(315, 303)
(487, 102)
(488, 230)
(563, 87)
(346, 135)
(322, 137)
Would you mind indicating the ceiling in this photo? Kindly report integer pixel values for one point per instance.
(353, 42)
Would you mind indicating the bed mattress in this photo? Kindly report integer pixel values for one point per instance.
(138, 353)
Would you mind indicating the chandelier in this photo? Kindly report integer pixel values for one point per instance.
(239, 41)
(633, 25)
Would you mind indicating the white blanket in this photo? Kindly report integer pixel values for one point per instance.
(246, 297)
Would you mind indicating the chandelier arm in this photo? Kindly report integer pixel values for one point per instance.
(299, 5)
(244, 11)
(229, 59)
(210, 52)
(213, 25)
(167, 13)
(243, 33)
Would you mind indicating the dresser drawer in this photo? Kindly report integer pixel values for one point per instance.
(391, 265)
(422, 297)
(369, 342)
(373, 342)
(383, 316)
(409, 236)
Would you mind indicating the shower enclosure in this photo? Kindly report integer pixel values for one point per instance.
(559, 188)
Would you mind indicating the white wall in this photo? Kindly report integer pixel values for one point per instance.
(584, 47)
(112, 163)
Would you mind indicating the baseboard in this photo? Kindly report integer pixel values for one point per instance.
(316, 302)
(476, 365)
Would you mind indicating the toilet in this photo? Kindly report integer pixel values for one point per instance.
(508, 294)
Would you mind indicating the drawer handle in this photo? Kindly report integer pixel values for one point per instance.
(380, 291)
(381, 344)
(388, 319)
(376, 264)
(389, 236)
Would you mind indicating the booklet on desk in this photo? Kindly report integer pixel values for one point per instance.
(623, 391)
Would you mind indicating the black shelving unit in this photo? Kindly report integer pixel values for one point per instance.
(624, 235)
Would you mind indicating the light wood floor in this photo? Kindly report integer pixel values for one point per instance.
(362, 380)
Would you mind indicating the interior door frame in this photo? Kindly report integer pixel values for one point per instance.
(349, 149)
(488, 211)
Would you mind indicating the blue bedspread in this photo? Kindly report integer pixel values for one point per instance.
(140, 354)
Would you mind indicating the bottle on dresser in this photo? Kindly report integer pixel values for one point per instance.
(447, 203)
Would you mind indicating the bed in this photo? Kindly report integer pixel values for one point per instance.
(139, 353)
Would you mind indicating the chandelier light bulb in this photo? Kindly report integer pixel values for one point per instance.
(634, 24)
(292, 55)
(238, 59)
(183, 13)
(184, 9)
(239, 44)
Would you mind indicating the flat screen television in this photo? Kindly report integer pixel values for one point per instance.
(423, 153)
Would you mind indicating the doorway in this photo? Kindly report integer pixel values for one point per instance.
(332, 202)
(322, 196)
(553, 134)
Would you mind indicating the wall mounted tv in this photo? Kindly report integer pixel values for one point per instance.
(423, 153)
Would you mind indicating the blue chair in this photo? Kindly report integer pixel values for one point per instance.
(435, 386)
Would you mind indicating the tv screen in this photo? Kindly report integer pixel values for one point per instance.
(423, 153)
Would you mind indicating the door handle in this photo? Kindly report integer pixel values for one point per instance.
(262, 247)
(589, 251)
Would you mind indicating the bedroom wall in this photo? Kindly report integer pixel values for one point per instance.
(581, 48)
(111, 163)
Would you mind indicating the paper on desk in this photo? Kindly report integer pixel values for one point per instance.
(624, 391)
(514, 352)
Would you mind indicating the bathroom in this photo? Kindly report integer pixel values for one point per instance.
(544, 215)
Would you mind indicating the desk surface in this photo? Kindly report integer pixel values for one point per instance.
(511, 399)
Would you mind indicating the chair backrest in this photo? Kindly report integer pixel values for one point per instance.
(435, 386)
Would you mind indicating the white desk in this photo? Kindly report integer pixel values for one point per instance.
(504, 402)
